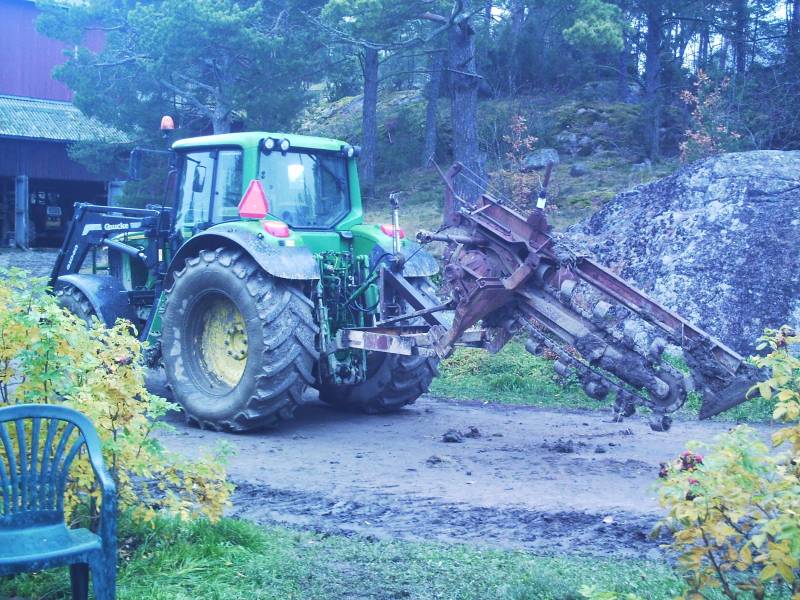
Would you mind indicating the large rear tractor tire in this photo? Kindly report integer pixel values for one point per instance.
(238, 345)
(393, 381)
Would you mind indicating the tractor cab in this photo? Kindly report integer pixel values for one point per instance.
(301, 182)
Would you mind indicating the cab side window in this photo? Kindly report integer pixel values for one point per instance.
(210, 188)
(195, 189)
(228, 186)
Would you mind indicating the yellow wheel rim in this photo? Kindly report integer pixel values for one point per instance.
(223, 341)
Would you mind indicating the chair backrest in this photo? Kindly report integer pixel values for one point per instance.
(38, 444)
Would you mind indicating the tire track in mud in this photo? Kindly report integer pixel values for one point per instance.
(385, 516)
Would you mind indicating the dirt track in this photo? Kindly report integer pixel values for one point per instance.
(541, 480)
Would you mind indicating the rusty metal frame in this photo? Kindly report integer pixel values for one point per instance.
(504, 270)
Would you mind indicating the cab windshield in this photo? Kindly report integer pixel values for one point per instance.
(305, 189)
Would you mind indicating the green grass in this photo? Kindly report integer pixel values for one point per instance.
(514, 376)
(576, 198)
(238, 560)
(171, 560)
(757, 410)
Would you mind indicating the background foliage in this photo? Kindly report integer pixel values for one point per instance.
(48, 355)
(279, 64)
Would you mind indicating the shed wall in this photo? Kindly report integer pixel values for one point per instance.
(42, 159)
(27, 58)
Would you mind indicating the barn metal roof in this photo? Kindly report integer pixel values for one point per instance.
(33, 118)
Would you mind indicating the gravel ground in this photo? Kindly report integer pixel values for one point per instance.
(36, 262)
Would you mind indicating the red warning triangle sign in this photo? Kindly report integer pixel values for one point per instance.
(254, 203)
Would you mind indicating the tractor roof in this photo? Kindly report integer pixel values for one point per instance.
(252, 138)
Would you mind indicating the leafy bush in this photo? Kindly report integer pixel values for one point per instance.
(710, 125)
(735, 513)
(48, 355)
(520, 144)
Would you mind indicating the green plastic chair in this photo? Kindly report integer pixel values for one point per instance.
(33, 477)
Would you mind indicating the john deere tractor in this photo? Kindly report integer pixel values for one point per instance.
(242, 279)
(258, 278)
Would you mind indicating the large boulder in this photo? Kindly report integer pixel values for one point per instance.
(538, 159)
(718, 241)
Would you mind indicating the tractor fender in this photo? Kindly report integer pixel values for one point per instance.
(108, 297)
(419, 263)
(284, 262)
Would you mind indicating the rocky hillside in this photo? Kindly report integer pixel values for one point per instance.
(718, 241)
(596, 142)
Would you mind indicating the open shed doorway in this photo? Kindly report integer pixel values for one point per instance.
(51, 206)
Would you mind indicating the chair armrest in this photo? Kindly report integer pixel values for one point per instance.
(108, 519)
(105, 479)
(108, 510)
(94, 447)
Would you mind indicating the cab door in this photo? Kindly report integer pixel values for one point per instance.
(194, 192)
(209, 189)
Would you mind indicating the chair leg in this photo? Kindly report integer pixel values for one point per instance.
(104, 579)
(79, 577)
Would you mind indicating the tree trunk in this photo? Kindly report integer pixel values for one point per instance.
(623, 91)
(702, 53)
(517, 10)
(741, 17)
(369, 120)
(221, 118)
(723, 56)
(793, 39)
(435, 65)
(652, 77)
(683, 36)
(486, 33)
(464, 102)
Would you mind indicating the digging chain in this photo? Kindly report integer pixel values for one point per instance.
(626, 399)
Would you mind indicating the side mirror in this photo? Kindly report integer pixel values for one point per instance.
(135, 165)
(199, 178)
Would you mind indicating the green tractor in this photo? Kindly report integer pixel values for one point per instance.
(248, 282)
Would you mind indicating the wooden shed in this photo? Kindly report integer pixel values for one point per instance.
(39, 182)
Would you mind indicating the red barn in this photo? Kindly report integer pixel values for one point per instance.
(38, 181)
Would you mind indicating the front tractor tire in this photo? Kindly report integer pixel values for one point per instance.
(238, 345)
(74, 300)
(393, 380)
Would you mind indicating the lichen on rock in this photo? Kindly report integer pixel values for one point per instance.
(718, 241)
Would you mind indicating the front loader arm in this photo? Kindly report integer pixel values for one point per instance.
(93, 226)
